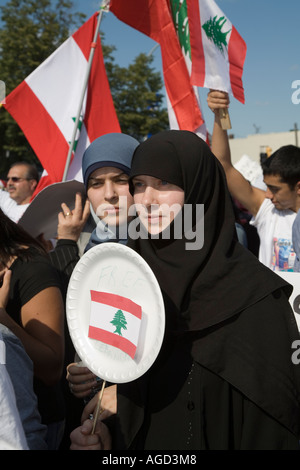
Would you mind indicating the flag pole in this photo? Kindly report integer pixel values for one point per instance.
(225, 118)
(98, 408)
(89, 66)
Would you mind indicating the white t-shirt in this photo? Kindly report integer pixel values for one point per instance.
(12, 436)
(10, 208)
(274, 228)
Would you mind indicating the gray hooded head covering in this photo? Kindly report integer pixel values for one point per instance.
(113, 150)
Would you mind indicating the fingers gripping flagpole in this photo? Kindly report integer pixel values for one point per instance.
(88, 71)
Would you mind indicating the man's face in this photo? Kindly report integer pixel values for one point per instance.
(281, 195)
(19, 187)
(108, 192)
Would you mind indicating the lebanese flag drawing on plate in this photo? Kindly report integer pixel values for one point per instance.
(115, 320)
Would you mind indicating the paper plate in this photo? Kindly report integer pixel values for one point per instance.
(114, 268)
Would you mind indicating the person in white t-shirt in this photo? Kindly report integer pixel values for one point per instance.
(12, 435)
(22, 180)
(274, 209)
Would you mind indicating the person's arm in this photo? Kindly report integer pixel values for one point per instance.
(240, 189)
(65, 255)
(64, 258)
(42, 332)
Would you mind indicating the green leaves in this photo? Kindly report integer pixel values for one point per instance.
(138, 98)
(31, 31)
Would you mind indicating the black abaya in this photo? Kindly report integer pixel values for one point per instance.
(224, 378)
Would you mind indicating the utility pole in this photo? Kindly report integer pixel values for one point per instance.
(296, 134)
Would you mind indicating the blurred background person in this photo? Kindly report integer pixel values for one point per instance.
(22, 180)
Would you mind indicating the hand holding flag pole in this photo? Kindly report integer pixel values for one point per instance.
(218, 102)
(225, 119)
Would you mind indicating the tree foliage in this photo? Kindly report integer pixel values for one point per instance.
(31, 30)
(136, 92)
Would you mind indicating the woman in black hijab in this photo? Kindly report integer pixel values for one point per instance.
(224, 378)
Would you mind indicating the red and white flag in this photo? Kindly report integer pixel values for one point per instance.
(181, 22)
(153, 18)
(218, 51)
(45, 105)
(115, 320)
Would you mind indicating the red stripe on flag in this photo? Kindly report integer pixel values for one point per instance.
(41, 131)
(117, 301)
(198, 58)
(43, 183)
(153, 18)
(113, 340)
(84, 36)
(236, 54)
(100, 115)
(39, 128)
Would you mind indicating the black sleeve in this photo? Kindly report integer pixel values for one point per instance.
(65, 256)
(28, 279)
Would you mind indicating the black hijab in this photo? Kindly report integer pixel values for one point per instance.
(231, 309)
(210, 284)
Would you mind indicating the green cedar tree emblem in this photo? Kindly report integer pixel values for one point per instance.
(79, 128)
(119, 321)
(213, 30)
(181, 22)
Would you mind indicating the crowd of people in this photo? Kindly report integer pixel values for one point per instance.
(224, 378)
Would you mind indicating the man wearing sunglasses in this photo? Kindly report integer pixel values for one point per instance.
(22, 179)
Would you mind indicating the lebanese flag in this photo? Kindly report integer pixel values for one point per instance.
(45, 104)
(218, 51)
(181, 23)
(153, 18)
(115, 320)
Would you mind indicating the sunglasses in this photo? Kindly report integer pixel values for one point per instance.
(16, 179)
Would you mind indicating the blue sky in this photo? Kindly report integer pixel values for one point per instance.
(272, 34)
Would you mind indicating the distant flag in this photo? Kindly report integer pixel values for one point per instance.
(45, 104)
(218, 51)
(153, 18)
(115, 320)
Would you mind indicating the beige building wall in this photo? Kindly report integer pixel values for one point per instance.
(254, 144)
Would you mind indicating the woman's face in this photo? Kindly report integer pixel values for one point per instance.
(108, 192)
(157, 202)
